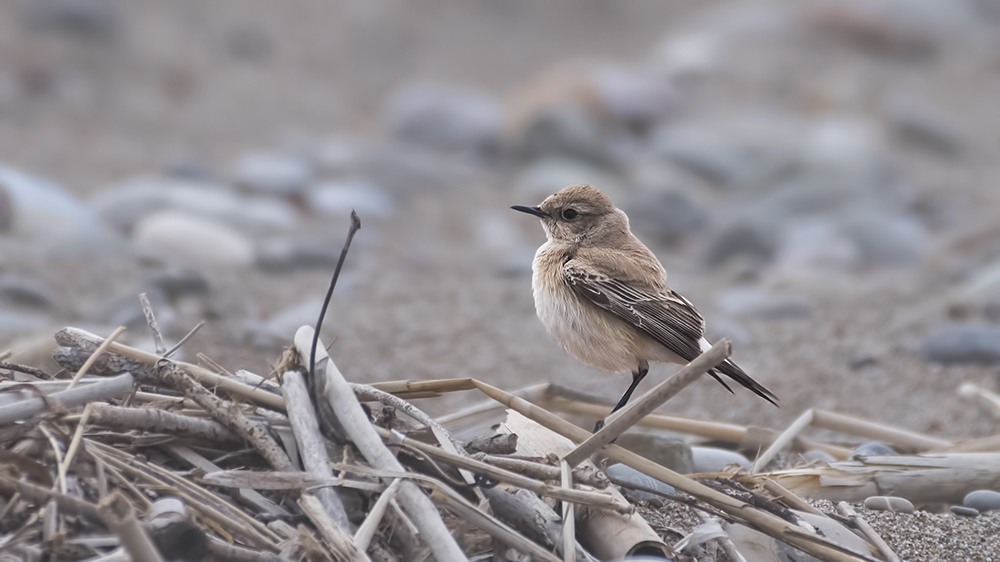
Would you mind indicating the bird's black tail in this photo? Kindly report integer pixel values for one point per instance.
(733, 371)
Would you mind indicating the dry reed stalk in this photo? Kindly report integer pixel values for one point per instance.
(115, 387)
(364, 534)
(765, 522)
(619, 422)
(93, 356)
(587, 475)
(119, 516)
(783, 440)
(341, 544)
(871, 430)
(437, 386)
(247, 495)
(568, 515)
(869, 533)
(160, 421)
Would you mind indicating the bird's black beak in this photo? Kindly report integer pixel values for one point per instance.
(537, 211)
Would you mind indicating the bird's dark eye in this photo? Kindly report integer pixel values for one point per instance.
(570, 214)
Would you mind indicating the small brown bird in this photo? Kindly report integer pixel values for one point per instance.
(604, 296)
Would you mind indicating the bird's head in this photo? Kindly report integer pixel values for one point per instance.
(579, 214)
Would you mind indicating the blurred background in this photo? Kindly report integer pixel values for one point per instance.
(820, 178)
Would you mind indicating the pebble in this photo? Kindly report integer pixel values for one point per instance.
(27, 293)
(753, 303)
(872, 448)
(885, 238)
(889, 503)
(339, 198)
(710, 459)
(958, 343)
(36, 208)
(982, 500)
(981, 290)
(923, 128)
(188, 239)
(817, 455)
(269, 173)
(444, 117)
(181, 282)
(629, 474)
(665, 216)
(91, 20)
(756, 241)
(964, 511)
(660, 448)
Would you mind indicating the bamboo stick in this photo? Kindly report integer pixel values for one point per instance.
(854, 426)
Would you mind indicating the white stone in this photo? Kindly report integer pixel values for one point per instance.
(185, 238)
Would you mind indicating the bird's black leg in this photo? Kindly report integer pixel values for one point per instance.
(637, 377)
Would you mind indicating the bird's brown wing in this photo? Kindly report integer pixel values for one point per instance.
(659, 312)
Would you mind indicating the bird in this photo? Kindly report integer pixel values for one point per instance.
(603, 295)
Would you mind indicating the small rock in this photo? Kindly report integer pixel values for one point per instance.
(543, 178)
(189, 239)
(872, 448)
(964, 511)
(444, 118)
(752, 303)
(709, 459)
(633, 476)
(340, 198)
(862, 360)
(886, 238)
(269, 173)
(982, 500)
(923, 128)
(563, 131)
(27, 293)
(91, 20)
(33, 207)
(666, 450)
(963, 343)
(754, 240)
(16, 324)
(666, 216)
(980, 291)
(337, 157)
(816, 455)
(889, 503)
(177, 283)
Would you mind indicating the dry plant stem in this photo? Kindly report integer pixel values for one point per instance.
(437, 386)
(339, 542)
(259, 480)
(586, 475)
(601, 500)
(505, 534)
(74, 443)
(983, 445)
(118, 514)
(871, 430)
(751, 437)
(312, 448)
(75, 337)
(367, 393)
(170, 352)
(568, 516)
(93, 356)
(783, 440)
(107, 365)
(366, 531)
(765, 522)
(220, 551)
(868, 532)
(780, 493)
(248, 496)
(354, 421)
(103, 390)
(229, 415)
(160, 421)
(38, 494)
(619, 422)
(154, 326)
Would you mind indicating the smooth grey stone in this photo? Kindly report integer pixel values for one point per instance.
(337, 156)
(886, 238)
(710, 459)
(186, 239)
(980, 290)
(176, 283)
(816, 455)
(28, 293)
(36, 208)
(982, 500)
(923, 128)
(564, 130)
(339, 198)
(444, 117)
(757, 241)
(716, 156)
(278, 329)
(872, 448)
(665, 216)
(270, 173)
(963, 343)
(756, 304)
(889, 503)
(633, 476)
(964, 511)
(660, 448)
(90, 20)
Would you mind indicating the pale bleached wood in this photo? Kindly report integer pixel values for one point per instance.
(568, 515)
(879, 432)
(114, 387)
(118, 514)
(352, 417)
(248, 495)
(620, 421)
(312, 446)
(259, 480)
(366, 531)
(783, 440)
(584, 474)
(160, 421)
(341, 544)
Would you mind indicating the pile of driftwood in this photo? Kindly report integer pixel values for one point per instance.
(136, 456)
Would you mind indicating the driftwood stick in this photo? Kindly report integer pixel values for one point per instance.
(859, 522)
(107, 365)
(312, 449)
(871, 430)
(783, 440)
(367, 393)
(627, 417)
(568, 516)
(38, 494)
(94, 355)
(248, 495)
(341, 544)
(160, 421)
(499, 444)
(75, 337)
(118, 514)
(221, 551)
(765, 522)
(260, 480)
(366, 531)
(103, 390)
(348, 410)
(587, 475)
(602, 500)
(154, 326)
(229, 415)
